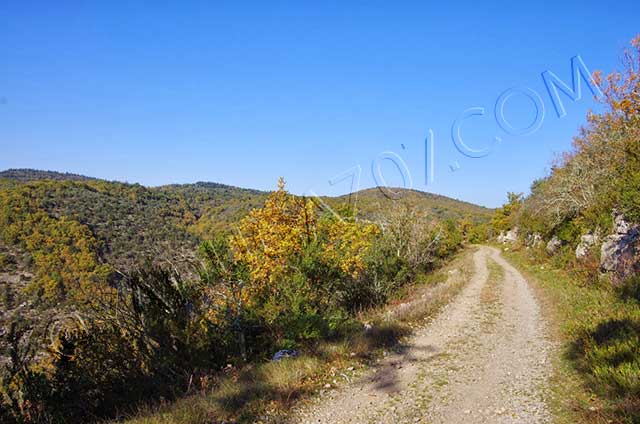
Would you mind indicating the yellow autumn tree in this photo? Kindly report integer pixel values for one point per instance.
(347, 244)
(268, 238)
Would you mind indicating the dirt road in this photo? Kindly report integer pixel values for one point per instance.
(483, 359)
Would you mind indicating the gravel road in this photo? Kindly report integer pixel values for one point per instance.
(483, 359)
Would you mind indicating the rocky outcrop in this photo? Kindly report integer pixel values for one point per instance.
(620, 251)
(511, 236)
(554, 245)
(587, 242)
(620, 224)
(533, 241)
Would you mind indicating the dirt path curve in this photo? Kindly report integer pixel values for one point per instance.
(483, 359)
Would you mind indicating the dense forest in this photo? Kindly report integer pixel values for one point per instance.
(115, 293)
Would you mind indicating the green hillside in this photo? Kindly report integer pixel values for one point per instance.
(73, 246)
(373, 202)
(132, 223)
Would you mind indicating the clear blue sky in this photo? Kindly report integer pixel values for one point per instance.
(243, 92)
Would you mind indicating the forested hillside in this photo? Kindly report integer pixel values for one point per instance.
(130, 224)
(60, 231)
(372, 203)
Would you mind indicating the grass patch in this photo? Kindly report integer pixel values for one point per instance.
(490, 293)
(270, 389)
(598, 377)
(241, 394)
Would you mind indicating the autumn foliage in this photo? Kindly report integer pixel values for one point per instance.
(269, 237)
(269, 240)
(63, 250)
(290, 274)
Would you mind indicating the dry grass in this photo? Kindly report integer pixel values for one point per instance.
(490, 292)
(241, 395)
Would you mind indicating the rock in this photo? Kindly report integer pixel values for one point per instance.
(620, 251)
(620, 225)
(537, 240)
(283, 354)
(587, 241)
(609, 253)
(533, 240)
(510, 237)
(617, 248)
(553, 245)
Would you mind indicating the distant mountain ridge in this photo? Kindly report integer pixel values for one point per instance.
(372, 202)
(25, 174)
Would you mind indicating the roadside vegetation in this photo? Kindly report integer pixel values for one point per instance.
(598, 377)
(265, 391)
(578, 234)
(291, 277)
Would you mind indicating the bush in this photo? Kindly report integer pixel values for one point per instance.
(144, 344)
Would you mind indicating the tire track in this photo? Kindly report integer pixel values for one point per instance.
(476, 362)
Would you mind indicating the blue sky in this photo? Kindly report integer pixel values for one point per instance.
(243, 92)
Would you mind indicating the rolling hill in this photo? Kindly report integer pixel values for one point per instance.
(132, 223)
(58, 225)
(373, 202)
